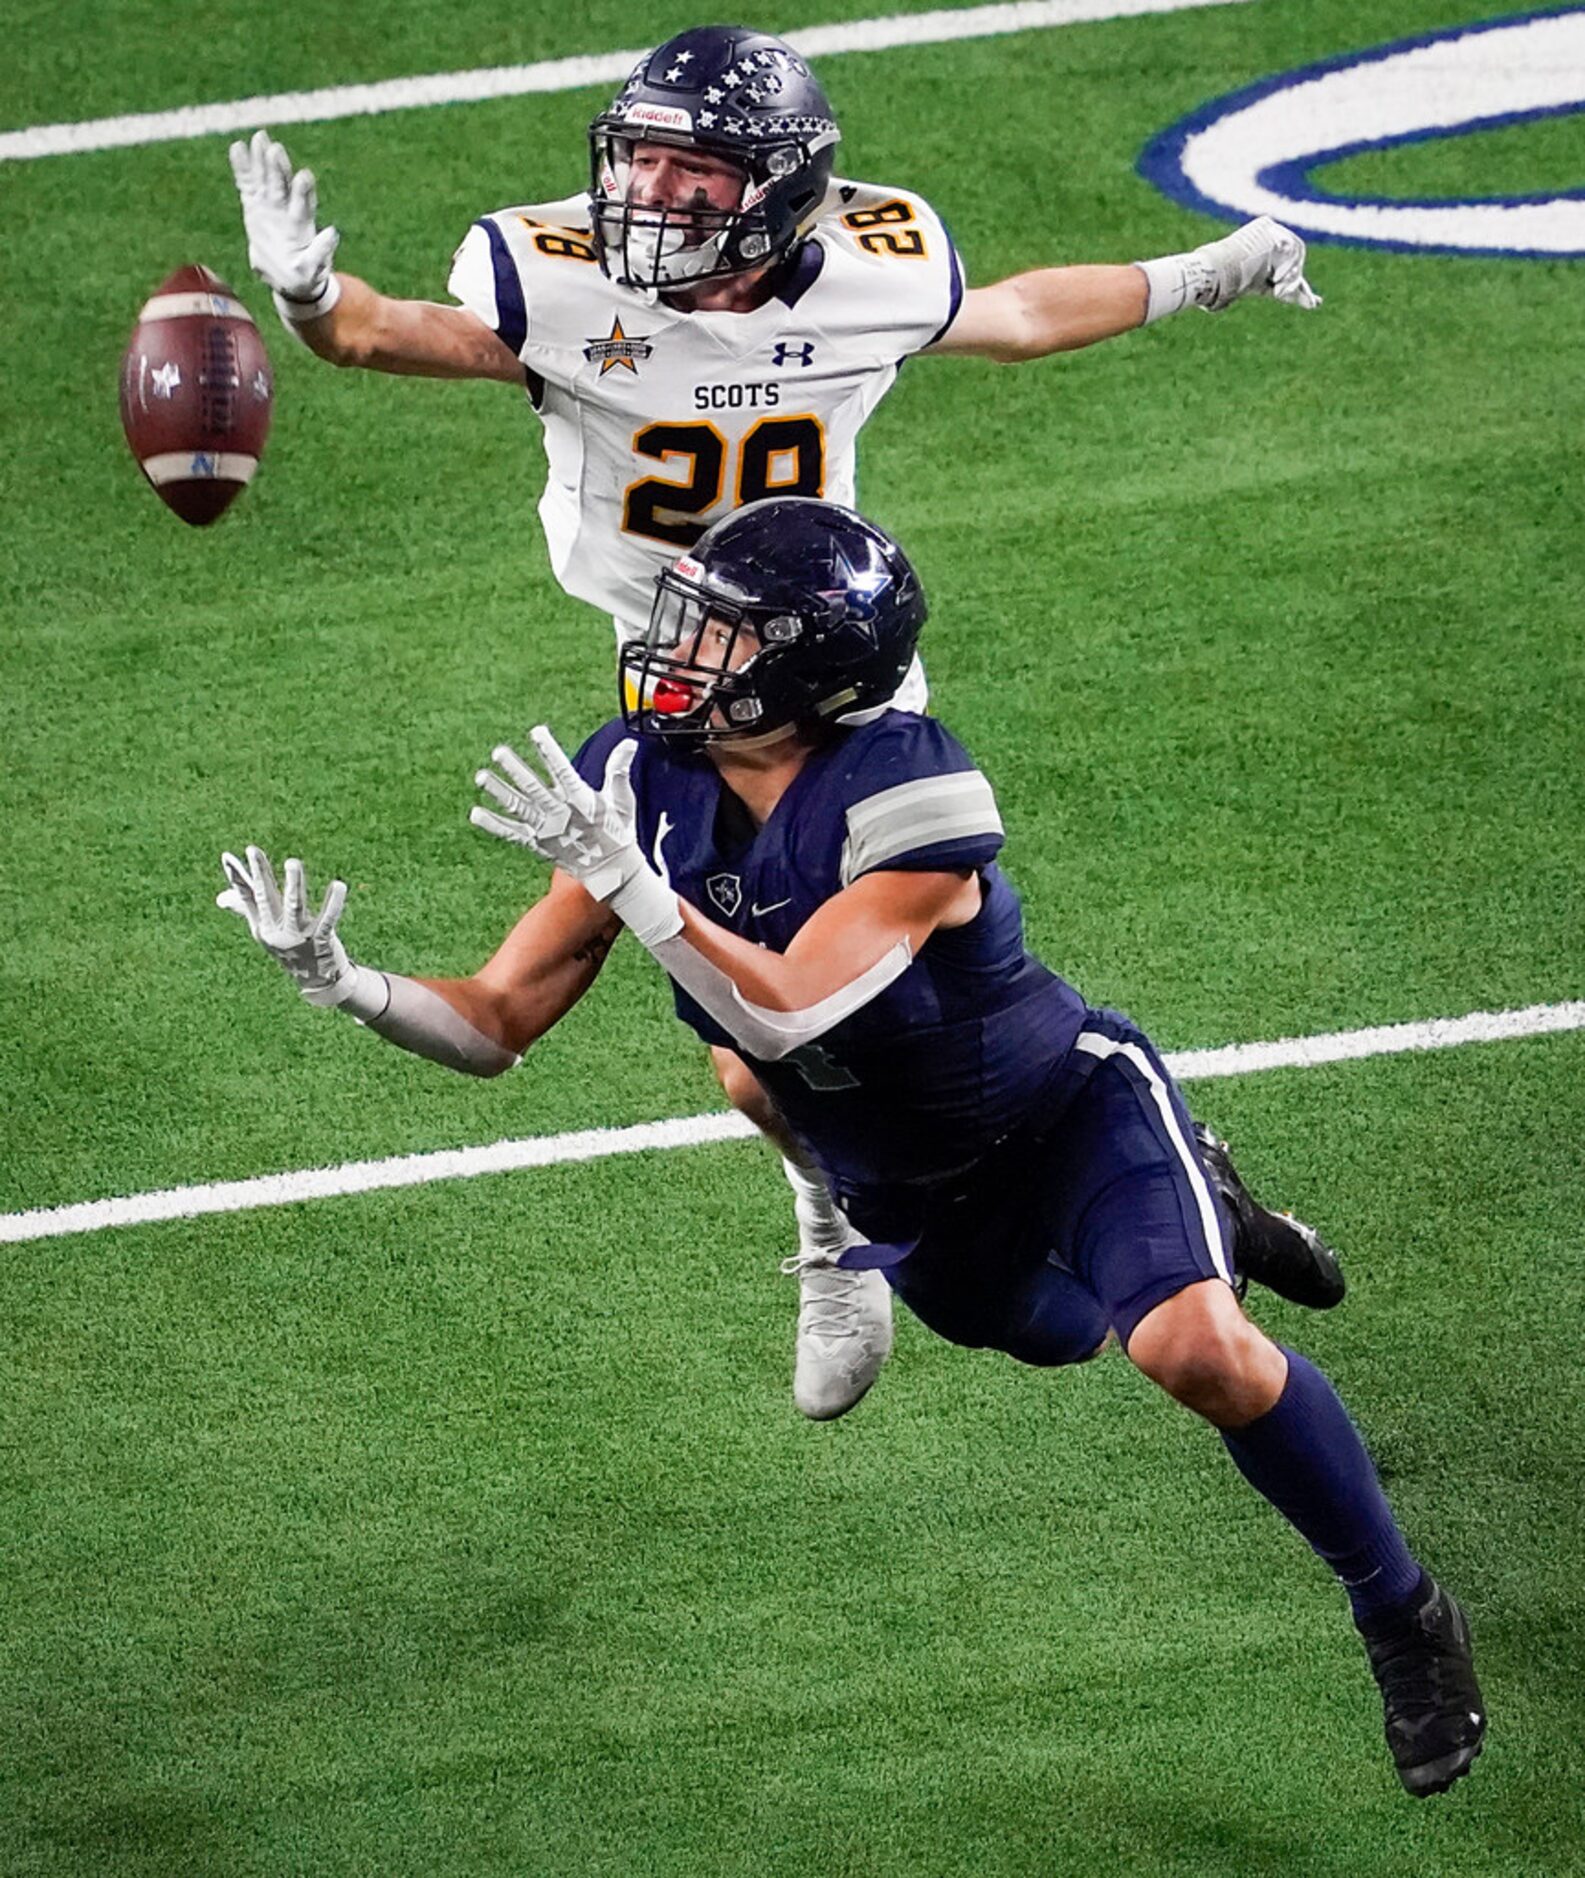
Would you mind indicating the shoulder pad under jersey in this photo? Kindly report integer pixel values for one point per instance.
(513, 257)
(894, 256)
(913, 798)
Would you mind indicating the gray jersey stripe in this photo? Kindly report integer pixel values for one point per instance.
(919, 795)
(947, 822)
(917, 815)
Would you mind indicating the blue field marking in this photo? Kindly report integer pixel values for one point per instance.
(1291, 179)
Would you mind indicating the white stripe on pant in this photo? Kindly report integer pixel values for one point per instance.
(1094, 1044)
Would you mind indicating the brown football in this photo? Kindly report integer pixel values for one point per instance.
(196, 394)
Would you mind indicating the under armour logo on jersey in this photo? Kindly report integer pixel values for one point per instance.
(726, 892)
(804, 353)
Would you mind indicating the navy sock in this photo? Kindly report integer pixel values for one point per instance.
(1307, 1458)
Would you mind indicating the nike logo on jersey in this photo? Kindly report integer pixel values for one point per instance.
(756, 911)
(662, 830)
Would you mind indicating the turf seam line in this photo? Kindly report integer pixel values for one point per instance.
(569, 74)
(688, 1131)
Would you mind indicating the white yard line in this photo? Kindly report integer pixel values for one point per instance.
(1344, 1046)
(689, 1131)
(512, 81)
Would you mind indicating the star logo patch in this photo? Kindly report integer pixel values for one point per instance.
(617, 349)
(726, 891)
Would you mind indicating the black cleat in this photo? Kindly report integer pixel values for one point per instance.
(1273, 1249)
(1422, 1660)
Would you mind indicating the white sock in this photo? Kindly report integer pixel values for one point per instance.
(822, 1226)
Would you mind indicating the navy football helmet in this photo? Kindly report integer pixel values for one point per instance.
(742, 96)
(789, 611)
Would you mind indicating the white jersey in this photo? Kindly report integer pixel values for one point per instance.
(658, 422)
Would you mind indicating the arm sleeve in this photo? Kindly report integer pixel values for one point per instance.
(418, 1019)
(771, 1035)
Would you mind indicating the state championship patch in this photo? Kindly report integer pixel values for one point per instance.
(617, 349)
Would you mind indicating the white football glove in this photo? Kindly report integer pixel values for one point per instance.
(303, 943)
(279, 208)
(590, 834)
(1262, 257)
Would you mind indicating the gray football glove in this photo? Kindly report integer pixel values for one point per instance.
(587, 833)
(303, 943)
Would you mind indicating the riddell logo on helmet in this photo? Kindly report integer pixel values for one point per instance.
(662, 116)
(689, 568)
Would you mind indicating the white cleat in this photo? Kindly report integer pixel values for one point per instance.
(844, 1334)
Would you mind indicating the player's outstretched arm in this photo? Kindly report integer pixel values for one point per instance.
(1060, 309)
(338, 316)
(770, 1002)
(416, 338)
(479, 1025)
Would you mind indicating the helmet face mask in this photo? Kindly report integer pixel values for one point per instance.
(743, 98)
(697, 673)
(788, 615)
(654, 245)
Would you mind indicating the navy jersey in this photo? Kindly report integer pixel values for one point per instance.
(970, 1042)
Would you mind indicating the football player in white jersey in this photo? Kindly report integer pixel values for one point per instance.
(711, 324)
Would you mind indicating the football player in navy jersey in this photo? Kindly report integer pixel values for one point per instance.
(817, 873)
(714, 318)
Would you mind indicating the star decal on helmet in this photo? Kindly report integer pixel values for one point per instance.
(860, 592)
(617, 349)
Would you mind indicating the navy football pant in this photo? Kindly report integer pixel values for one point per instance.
(1051, 1241)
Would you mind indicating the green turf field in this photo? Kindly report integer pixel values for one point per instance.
(470, 1529)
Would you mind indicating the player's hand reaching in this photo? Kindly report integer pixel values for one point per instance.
(590, 834)
(1262, 258)
(304, 943)
(587, 833)
(279, 211)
